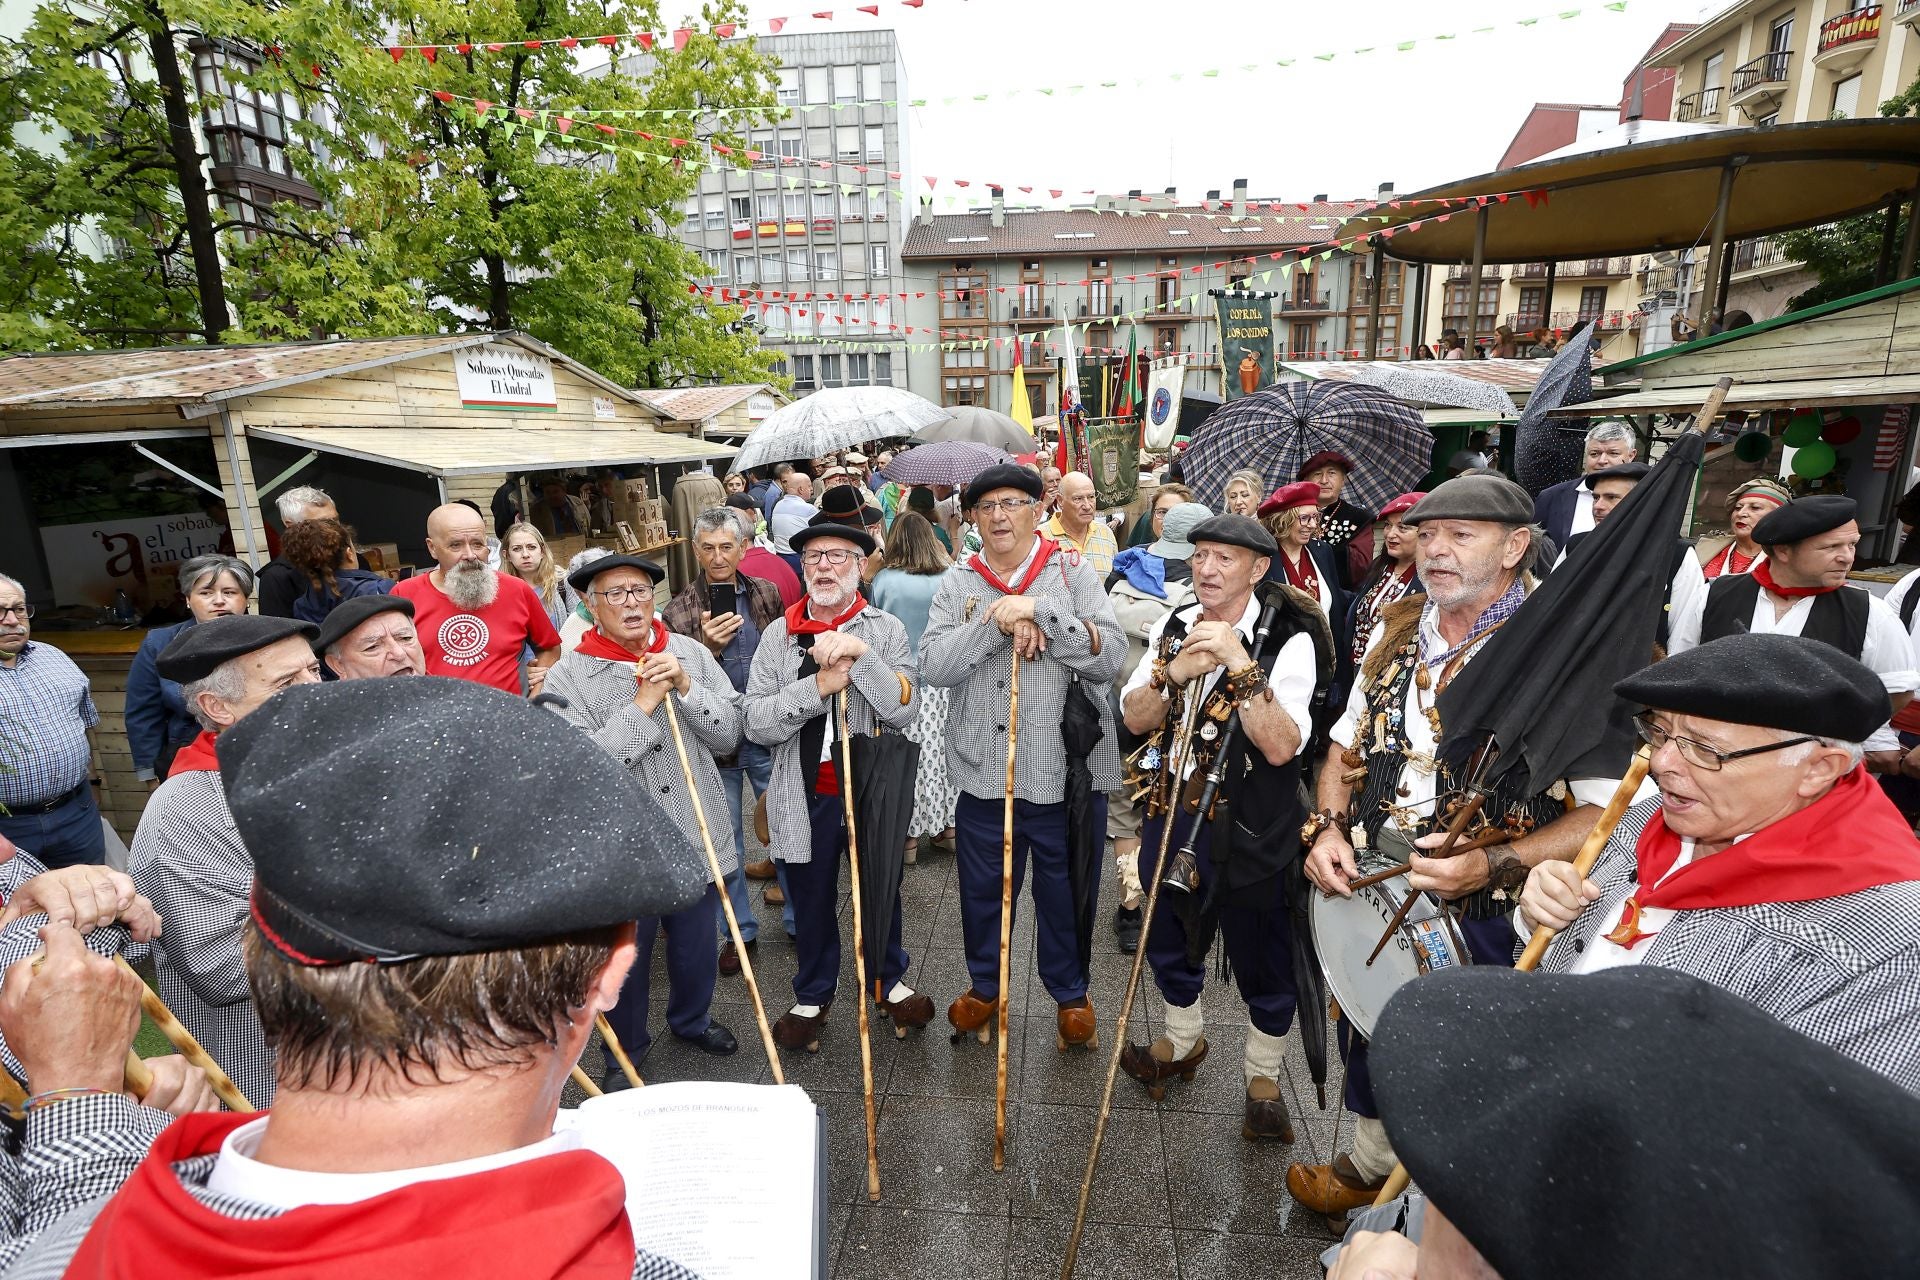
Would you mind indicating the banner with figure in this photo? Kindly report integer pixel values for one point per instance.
(1246, 342)
(1114, 444)
(1164, 388)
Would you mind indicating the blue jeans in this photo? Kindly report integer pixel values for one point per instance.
(70, 835)
(756, 767)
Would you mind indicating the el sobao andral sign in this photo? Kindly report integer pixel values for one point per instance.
(501, 377)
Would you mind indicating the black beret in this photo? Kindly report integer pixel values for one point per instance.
(1641, 1122)
(818, 528)
(198, 649)
(744, 502)
(1634, 471)
(349, 614)
(1002, 475)
(1776, 681)
(1235, 531)
(1493, 498)
(1803, 519)
(390, 819)
(581, 579)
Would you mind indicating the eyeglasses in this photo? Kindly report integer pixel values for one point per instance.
(622, 595)
(24, 610)
(1008, 505)
(1699, 754)
(837, 556)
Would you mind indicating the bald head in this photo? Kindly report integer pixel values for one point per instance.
(1077, 503)
(454, 517)
(457, 536)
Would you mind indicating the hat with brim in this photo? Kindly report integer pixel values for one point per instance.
(1808, 518)
(581, 579)
(197, 650)
(349, 614)
(832, 529)
(1772, 680)
(1324, 458)
(1301, 493)
(1474, 497)
(1003, 475)
(1176, 530)
(1235, 531)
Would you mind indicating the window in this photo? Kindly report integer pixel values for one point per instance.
(877, 203)
(766, 206)
(1238, 273)
(244, 126)
(771, 269)
(790, 147)
(856, 312)
(803, 371)
(964, 296)
(1300, 341)
(857, 364)
(746, 268)
(817, 85)
(819, 143)
(742, 208)
(846, 142)
(793, 204)
(963, 391)
(883, 367)
(788, 90)
(1846, 98)
(1099, 289)
(876, 143)
(830, 370)
(870, 89)
(1593, 302)
(1389, 334)
(1166, 338)
(877, 260)
(826, 264)
(846, 84)
(1710, 74)
(798, 267)
(1533, 307)
(1780, 35)
(823, 206)
(716, 260)
(716, 219)
(853, 204)
(967, 357)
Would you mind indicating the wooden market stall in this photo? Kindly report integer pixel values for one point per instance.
(118, 466)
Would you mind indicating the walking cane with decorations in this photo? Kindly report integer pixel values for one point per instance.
(1006, 923)
(184, 1044)
(859, 955)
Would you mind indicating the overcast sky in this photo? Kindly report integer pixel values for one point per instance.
(1440, 111)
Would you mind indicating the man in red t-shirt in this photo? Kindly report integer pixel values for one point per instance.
(473, 621)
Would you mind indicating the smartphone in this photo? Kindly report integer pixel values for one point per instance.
(722, 597)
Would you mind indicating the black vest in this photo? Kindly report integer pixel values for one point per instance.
(1838, 618)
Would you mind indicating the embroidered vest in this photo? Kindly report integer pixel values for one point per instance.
(1838, 618)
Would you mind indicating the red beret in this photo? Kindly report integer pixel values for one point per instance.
(1324, 457)
(1402, 503)
(1301, 493)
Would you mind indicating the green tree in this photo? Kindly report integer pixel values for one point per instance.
(1845, 255)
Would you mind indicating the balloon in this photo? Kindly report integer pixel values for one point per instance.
(1753, 446)
(1802, 430)
(1812, 461)
(1845, 431)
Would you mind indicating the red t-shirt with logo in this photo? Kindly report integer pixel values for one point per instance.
(482, 645)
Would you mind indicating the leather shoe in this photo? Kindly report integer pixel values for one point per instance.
(974, 1013)
(1126, 929)
(761, 870)
(793, 1031)
(1074, 1026)
(730, 957)
(1332, 1190)
(1153, 1065)
(1266, 1118)
(774, 897)
(911, 1014)
(716, 1040)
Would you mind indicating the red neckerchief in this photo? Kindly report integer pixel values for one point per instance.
(1764, 576)
(595, 644)
(1726, 560)
(1850, 839)
(1301, 575)
(1048, 549)
(802, 623)
(559, 1215)
(196, 757)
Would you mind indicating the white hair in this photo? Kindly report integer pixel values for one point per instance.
(294, 503)
(15, 583)
(711, 520)
(226, 682)
(1613, 432)
(1797, 754)
(201, 568)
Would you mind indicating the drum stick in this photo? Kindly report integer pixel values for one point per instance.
(1468, 812)
(184, 1044)
(1006, 924)
(618, 1051)
(585, 1081)
(1485, 840)
(1543, 936)
(859, 956)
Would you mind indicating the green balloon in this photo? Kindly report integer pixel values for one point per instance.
(1812, 461)
(1753, 446)
(1803, 430)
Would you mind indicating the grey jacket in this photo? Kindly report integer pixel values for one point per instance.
(963, 651)
(779, 702)
(600, 700)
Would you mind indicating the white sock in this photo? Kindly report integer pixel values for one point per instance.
(899, 992)
(1184, 1027)
(806, 1011)
(1373, 1156)
(1265, 1054)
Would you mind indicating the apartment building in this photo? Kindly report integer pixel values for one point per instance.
(1019, 273)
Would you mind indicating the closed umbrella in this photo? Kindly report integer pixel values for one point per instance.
(1276, 429)
(982, 426)
(1080, 732)
(837, 418)
(884, 767)
(1547, 450)
(948, 462)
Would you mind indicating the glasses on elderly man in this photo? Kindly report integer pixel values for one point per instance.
(623, 595)
(1008, 505)
(836, 556)
(24, 610)
(1699, 754)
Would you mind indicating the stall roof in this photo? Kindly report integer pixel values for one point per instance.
(691, 404)
(1787, 320)
(1755, 396)
(463, 451)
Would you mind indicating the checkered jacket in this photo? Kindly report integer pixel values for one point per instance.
(779, 702)
(600, 700)
(963, 651)
(47, 1257)
(70, 1154)
(188, 860)
(1844, 971)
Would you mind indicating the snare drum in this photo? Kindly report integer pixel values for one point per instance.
(1345, 931)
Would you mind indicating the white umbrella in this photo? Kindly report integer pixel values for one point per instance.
(837, 418)
(1435, 386)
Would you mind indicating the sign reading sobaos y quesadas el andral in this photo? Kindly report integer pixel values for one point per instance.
(502, 377)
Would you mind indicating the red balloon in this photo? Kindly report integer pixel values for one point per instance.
(1844, 431)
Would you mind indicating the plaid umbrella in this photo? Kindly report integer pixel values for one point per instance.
(953, 462)
(1547, 450)
(1279, 427)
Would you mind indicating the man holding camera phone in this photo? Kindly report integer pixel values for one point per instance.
(728, 611)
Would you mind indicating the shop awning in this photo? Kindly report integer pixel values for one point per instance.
(1755, 396)
(479, 450)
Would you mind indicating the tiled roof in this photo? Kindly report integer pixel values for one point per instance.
(1187, 229)
(691, 404)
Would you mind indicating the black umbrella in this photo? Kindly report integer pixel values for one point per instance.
(1309, 979)
(884, 767)
(1080, 732)
(1547, 450)
(1542, 688)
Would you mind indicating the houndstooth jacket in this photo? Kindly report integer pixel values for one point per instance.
(70, 1153)
(779, 702)
(1844, 971)
(188, 860)
(963, 651)
(600, 698)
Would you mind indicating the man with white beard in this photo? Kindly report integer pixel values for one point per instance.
(474, 621)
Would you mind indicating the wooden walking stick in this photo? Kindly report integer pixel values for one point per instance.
(859, 956)
(1542, 935)
(586, 1083)
(618, 1050)
(184, 1044)
(720, 884)
(13, 1099)
(1006, 924)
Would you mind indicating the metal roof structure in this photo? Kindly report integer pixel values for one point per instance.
(460, 450)
(1184, 229)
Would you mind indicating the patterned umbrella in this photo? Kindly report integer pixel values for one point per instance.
(951, 462)
(837, 418)
(1279, 427)
(1436, 386)
(1548, 450)
(983, 426)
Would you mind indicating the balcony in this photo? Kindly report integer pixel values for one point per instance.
(1846, 40)
(1759, 255)
(1530, 271)
(1758, 86)
(1602, 320)
(1907, 12)
(1307, 305)
(1596, 269)
(1704, 105)
(1032, 313)
(1461, 270)
(1525, 322)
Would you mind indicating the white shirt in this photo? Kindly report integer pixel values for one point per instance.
(237, 1173)
(790, 516)
(1293, 670)
(1582, 511)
